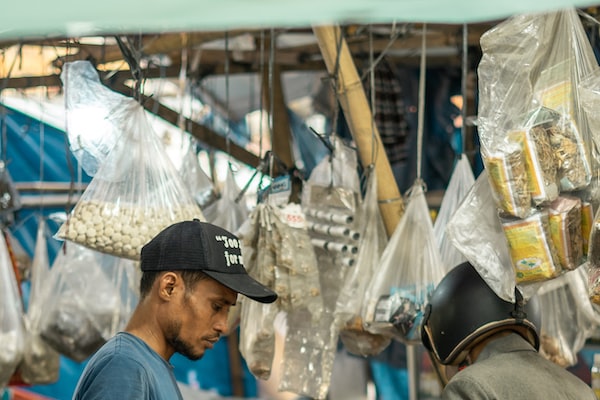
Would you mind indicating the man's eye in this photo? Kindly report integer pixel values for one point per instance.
(217, 307)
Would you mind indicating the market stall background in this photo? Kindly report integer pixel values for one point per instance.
(227, 74)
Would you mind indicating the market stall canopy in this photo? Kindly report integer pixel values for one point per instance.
(74, 18)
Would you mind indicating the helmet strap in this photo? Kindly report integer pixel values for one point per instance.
(519, 312)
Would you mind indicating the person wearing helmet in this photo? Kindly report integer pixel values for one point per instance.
(493, 343)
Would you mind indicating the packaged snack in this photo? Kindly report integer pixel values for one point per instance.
(539, 162)
(532, 251)
(508, 178)
(565, 228)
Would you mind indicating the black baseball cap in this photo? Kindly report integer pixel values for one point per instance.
(201, 246)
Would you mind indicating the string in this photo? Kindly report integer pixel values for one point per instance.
(271, 91)
(261, 102)
(465, 69)
(421, 105)
(373, 105)
(228, 127)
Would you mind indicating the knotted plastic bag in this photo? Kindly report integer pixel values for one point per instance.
(350, 301)
(41, 362)
(568, 318)
(476, 231)
(410, 269)
(94, 115)
(227, 211)
(90, 297)
(11, 318)
(195, 179)
(461, 182)
(532, 61)
(135, 193)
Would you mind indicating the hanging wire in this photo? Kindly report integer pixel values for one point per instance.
(271, 89)
(42, 152)
(395, 35)
(421, 111)
(228, 126)
(465, 71)
(373, 105)
(261, 101)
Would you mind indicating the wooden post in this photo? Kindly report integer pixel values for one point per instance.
(353, 101)
(281, 135)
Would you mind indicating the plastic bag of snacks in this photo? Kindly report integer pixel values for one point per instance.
(410, 269)
(135, 193)
(41, 362)
(532, 61)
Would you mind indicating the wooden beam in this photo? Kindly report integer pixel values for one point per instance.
(200, 132)
(281, 135)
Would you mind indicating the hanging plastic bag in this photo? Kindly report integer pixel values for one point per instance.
(195, 179)
(135, 193)
(10, 200)
(532, 61)
(355, 338)
(410, 269)
(227, 211)
(94, 115)
(477, 232)
(461, 182)
(41, 362)
(331, 201)
(90, 297)
(11, 318)
(568, 318)
(257, 332)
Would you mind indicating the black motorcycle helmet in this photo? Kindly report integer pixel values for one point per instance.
(463, 310)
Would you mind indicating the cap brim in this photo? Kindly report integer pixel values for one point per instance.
(244, 284)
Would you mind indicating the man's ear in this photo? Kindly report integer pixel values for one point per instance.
(168, 284)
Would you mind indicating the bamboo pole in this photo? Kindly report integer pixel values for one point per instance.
(353, 101)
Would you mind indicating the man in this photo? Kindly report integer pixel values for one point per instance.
(494, 343)
(192, 272)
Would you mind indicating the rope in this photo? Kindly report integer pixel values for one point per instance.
(465, 70)
(421, 111)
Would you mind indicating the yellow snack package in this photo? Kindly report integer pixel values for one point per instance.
(587, 219)
(508, 178)
(565, 228)
(531, 248)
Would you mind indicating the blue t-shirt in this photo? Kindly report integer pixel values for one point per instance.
(127, 368)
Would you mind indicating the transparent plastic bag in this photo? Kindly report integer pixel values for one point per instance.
(90, 297)
(476, 231)
(226, 212)
(94, 115)
(355, 338)
(461, 182)
(195, 179)
(135, 193)
(11, 318)
(41, 363)
(256, 320)
(568, 318)
(257, 339)
(331, 200)
(10, 199)
(532, 61)
(410, 269)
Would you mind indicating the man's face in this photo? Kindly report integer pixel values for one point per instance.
(199, 318)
